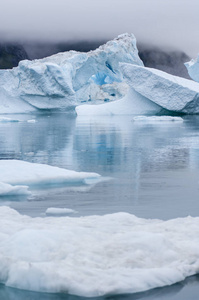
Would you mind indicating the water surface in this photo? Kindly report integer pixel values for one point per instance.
(152, 167)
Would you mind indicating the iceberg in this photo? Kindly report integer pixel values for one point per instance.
(96, 255)
(133, 103)
(17, 172)
(66, 79)
(193, 68)
(168, 91)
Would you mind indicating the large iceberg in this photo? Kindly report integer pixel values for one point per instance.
(168, 91)
(193, 68)
(96, 255)
(66, 79)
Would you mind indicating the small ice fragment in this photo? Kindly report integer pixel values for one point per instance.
(157, 118)
(55, 211)
(8, 190)
(31, 121)
(5, 120)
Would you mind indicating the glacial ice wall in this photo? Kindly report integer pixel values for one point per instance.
(69, 78)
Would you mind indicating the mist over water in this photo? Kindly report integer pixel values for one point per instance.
(171, 24)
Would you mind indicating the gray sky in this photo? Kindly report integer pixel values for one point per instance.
(171, 23)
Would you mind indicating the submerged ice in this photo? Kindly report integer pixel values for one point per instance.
(96, 255)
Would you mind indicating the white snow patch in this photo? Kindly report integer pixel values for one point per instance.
(96, 255)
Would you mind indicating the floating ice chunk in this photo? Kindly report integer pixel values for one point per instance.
(157, 119)
(9, 190)
(21, 172)
(54, 211)
(66, 79)
(132, 103)
(96, 255)
(31, 121)
(170, 92)
(193, 68)
(5, 120)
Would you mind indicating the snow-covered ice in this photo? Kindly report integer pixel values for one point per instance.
(132, 103)
(66, 79)
(17, 172)
(96, 255)
(170, 92)
(193, 68)
(56, 211)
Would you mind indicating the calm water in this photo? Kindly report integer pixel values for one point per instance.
(152, 171)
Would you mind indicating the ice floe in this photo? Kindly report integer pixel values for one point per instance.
(17, 172)
(96, 255)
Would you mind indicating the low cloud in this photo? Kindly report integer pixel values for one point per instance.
(166, 23)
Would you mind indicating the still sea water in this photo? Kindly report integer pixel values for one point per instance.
(151, 169)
